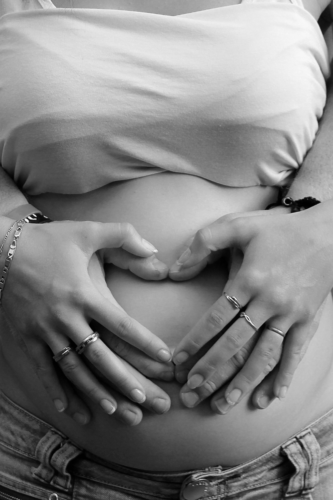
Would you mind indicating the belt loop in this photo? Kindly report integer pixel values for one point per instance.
(60, 461)
(44, 450)
(304, 453)
(54, 452)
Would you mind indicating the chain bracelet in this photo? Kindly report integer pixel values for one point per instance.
(5, 238)
(10, 256)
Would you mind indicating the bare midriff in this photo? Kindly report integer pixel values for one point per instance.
(166, 209)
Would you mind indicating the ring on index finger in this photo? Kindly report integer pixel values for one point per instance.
(87, 341)
(233, 301)
(62, 354)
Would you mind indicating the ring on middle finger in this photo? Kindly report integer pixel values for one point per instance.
(80, 348)
(248, 320)
(233, 301)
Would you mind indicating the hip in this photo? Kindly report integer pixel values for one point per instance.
(38, 461)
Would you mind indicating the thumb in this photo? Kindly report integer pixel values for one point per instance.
(225, 233)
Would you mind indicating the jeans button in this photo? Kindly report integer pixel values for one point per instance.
(194, 491)
(53, 496)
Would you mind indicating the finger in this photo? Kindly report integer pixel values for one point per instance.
(263, 395)
(193, 397)
(220, 377)
(214, 321)
(157, 400)
(149, 268)
(117, 235)
(296, 344)
(139, 360)
(262, 360)
(182, 370)
(237, 335)
(177, 273)
(117, 321)
(108, 364)
(76, 408)
(79, 374)
(47, 374)
(220, 235)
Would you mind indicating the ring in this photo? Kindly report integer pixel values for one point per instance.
(249, 321)
(61, 354)
(87, 341)
(276, 330)
(233, 301)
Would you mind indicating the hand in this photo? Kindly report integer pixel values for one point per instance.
(275, 285)
(50, 299)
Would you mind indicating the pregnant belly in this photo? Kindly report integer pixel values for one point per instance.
(167, 209)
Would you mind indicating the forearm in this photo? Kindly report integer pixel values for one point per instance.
(315, 177)
(10, 196)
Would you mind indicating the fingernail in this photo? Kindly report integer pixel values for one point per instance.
(283, 392)
(130, 417)
(180, 358)
(184, 256)
(181, 376)
(149, 246)
(60, 407)
(263, 401)
(138, 396)
(161, 405)
(234, 396)
(190, 399)
(80, 418)
(175, 268)
(195, 381)
(222, 405)
(164, 355)
(107, 406)
(159, 266)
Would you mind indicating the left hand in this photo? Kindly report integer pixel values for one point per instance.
(277, 287)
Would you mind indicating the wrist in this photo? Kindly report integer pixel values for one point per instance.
(29, 214)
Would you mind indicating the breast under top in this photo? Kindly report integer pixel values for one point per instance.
(92, 96)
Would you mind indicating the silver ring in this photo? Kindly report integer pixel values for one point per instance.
(87, 341)
(233, 301)
(62, 354)
(248, 320)
(276, 330)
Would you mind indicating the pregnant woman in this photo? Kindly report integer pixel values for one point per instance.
(166, 116)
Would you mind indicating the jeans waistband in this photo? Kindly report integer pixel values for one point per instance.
(59, 460)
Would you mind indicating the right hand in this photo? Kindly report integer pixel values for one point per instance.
(56, 287)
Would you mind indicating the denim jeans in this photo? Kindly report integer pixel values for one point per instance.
(39, 462)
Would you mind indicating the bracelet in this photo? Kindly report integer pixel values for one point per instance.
(10, 256)
(300, 205)
(28, 213)
(37, 218)
(295, 205)
(5, 238)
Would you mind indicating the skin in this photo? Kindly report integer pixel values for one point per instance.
(272, 360)
(51, 380)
